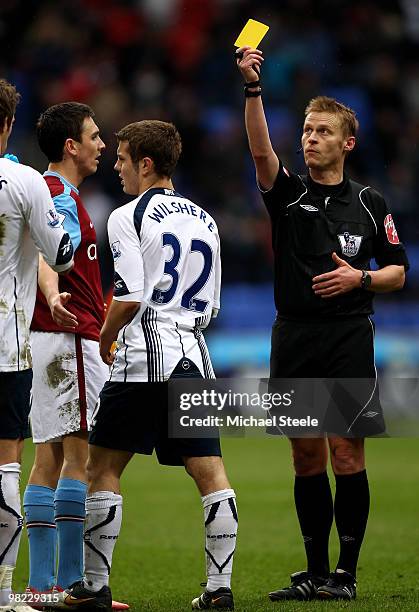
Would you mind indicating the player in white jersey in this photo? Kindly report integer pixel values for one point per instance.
(28, 224)
(167, 285)
(166, 251)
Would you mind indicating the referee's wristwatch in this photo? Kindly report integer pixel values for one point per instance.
(365, 280)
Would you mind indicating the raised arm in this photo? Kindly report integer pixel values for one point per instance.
(264, 157)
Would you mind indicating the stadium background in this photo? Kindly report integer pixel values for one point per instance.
(173, 60)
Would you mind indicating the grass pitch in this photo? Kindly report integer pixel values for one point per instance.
(159, 559)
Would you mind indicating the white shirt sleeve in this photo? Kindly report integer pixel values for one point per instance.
(217, 283)
(45, 226)
(127, 256)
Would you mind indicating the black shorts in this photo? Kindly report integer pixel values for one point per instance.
(15, 405)
(134, 417)
(332, 352)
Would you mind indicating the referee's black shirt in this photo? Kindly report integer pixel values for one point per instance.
(309, 222)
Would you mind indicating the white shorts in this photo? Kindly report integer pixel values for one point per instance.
(68, 375)
(151, 350)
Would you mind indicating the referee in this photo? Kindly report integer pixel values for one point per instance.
(326, 228)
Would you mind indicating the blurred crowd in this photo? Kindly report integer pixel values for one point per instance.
(174, 60)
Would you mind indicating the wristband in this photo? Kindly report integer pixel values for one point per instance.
(252, 94)
(252, 84)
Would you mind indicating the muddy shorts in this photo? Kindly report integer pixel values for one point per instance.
(68, 375)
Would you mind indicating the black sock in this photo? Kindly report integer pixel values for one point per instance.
(314, 504)
(352, 504)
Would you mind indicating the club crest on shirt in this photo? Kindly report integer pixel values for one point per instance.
(54, 218)
(158, 296)
(349, 243)
(391, 231)
(116, 252)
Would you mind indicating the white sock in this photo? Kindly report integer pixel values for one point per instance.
(221, 530)
(11, 523)
(103, 524)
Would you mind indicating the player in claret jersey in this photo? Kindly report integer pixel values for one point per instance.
(68, 371)
(26, 208)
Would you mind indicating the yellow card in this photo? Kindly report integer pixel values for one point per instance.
(252, 34)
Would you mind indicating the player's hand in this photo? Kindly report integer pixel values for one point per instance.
(61, 315)
(250, 63)
(343, 279)
(106, 351)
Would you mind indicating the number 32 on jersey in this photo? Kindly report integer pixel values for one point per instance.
(189, 299)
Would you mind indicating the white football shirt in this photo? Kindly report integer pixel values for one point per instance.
(166, 252)
(28, 223)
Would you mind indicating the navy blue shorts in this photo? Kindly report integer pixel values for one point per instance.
(15, 405)
(134, 417)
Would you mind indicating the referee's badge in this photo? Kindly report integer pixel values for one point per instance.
(349, 244)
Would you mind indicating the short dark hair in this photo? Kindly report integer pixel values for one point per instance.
(155, 139)
(9, 99)
(347, 116)
(58, 123)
